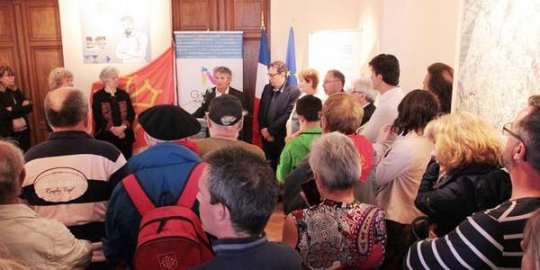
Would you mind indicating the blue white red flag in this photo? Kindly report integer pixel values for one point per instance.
(262, 80)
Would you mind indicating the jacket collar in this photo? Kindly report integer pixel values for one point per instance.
(473, 169)
(238, 244)
(8, 211)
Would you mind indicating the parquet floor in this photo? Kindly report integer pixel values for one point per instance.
(275, 224)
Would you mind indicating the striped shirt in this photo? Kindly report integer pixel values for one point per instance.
(70, 178)
(485, 240)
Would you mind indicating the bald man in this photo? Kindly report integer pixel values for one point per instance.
(70, 177)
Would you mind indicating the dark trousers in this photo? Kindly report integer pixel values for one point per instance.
(22, 138)
(272, 150)
(125, 145)
(399, 239)
(98, 266)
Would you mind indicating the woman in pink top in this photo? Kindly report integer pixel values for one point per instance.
(404, 153)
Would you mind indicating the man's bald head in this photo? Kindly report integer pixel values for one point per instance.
(66, 107)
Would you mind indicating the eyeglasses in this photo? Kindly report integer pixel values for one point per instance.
(507, 130)
(327, 82)
(271, 75)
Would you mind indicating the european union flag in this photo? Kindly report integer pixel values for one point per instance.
(291, 59)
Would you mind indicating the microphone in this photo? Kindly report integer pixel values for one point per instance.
(207, 92)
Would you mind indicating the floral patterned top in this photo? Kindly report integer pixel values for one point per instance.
(335, 235)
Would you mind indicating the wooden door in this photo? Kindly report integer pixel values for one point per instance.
(228, 15)
(31, 43)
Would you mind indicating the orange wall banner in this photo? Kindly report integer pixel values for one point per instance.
(151, 85)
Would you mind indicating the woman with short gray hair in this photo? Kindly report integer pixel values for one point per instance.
(339, 232)
(113, 113)
(363, 91)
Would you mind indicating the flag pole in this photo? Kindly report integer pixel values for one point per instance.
(262, 21)
(260, 82)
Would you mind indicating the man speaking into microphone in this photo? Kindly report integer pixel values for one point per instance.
(223, 77)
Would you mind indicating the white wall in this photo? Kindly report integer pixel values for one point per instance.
(418, 32)
(160, 39)
(307, 16)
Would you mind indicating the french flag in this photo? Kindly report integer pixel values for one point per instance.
(262, 80)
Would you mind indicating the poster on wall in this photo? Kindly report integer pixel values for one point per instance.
(115, 31)
(198, 54)
(336, 49)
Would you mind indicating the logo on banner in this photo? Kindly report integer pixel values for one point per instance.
(207, 76)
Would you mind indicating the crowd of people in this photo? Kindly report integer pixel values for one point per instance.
(369, 177)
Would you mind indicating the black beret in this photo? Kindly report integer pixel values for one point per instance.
(225, 110)
(168, 122)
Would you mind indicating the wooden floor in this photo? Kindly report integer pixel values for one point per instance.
(275, 224)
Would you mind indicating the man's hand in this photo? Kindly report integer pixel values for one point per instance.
(265, 133)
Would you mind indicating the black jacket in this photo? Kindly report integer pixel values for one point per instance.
(211, 94)
(18, 110)
(108, 111)
(460, 193)
(286, 100)
(368, 111)
(293, 185)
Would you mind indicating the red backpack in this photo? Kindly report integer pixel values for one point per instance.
(170, 237)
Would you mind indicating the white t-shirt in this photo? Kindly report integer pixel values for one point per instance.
(385, 114)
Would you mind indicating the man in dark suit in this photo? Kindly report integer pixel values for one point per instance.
(277, 102)
(223, 76)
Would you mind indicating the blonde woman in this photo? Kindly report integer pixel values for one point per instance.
(341, 113)
(308, 80)
(60, 77)
(464, 176)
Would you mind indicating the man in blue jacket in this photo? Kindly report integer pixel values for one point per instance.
(162, 170)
